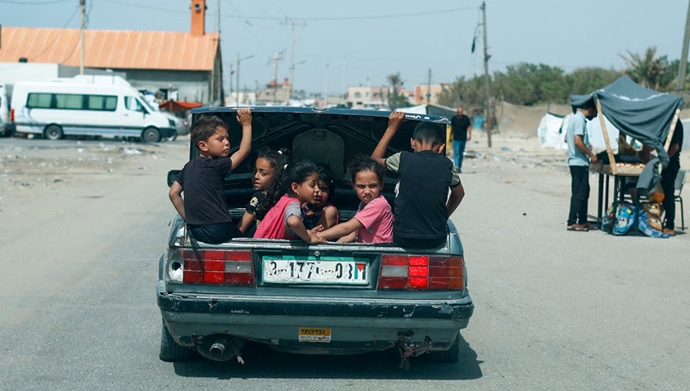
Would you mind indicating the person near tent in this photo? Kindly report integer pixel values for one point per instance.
(579, 156)
(462, 133)
(668, 179)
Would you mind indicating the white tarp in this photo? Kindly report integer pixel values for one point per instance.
(551, 132)
(686, 138)
(596, 136)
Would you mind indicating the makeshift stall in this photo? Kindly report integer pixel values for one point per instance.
(643, 114)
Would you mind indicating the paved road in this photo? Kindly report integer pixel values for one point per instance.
(554, 309)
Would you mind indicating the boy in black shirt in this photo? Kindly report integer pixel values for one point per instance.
(422, 206)
(203, 208)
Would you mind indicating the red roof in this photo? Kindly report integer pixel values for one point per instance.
(116, 49)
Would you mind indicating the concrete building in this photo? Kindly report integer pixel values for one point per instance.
(185, 63)
(421, 91)
(275, 93)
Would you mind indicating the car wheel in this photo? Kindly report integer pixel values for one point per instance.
(170, 350)
(53, 132)
(151, 135)
(449, 356)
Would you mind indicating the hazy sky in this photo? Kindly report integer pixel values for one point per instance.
(346, 42)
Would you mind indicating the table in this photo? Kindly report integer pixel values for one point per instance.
(605, 171)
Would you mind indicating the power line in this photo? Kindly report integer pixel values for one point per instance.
(33, 2)
(314, 19)
(57, 35)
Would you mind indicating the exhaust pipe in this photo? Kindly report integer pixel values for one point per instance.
(217, 349)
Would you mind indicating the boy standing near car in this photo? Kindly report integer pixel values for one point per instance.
(422, 205)
(461, 130)
(579, 156)
(202, 178)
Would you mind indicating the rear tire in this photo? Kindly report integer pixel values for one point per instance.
(151, 135)
(170, 350)
(451, 355)
(53, 132)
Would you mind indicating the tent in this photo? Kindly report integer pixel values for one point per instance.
(638, 112)
(686, 138)
(551, 131)
(442, 111)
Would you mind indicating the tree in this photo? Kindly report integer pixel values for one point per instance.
(396, 98)
(649, 70)
(468, 93)
(583, 81)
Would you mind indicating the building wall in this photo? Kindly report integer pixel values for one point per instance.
(358, 96)
(192, 86)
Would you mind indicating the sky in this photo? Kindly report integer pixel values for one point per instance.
(356, 42)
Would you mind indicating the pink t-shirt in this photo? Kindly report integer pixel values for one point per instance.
(377, 219)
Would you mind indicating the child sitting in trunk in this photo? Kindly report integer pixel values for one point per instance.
(321, 212)
(284, 221)
(268, 168)
(203, 208)
(373, 222)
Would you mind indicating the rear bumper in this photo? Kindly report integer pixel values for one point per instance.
(168, 132)
(356, 324)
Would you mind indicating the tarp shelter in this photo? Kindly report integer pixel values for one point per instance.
(686, 138)
(551, 131)
(178, 106)
(638, 112)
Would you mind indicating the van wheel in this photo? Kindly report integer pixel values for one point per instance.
(53, 132)
(151, 135)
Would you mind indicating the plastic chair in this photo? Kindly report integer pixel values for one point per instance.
(680, 181)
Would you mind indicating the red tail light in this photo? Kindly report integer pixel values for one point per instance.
(219, 267)
(421, 272)
(11, 115)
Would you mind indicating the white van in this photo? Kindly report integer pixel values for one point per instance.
(5, 122)
(56, 109)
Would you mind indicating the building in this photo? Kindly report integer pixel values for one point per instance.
(367, 97)
(421, 91)
(275, 93)
(185, 63)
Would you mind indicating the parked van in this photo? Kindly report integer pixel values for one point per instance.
(5, 122)
(56, 109)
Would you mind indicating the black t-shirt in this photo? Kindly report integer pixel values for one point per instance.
(202, 183)
(420, 207)
(677, 139)
(460, 126)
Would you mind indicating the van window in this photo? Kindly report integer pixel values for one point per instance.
(101, 102)
(131, 103)
(69, 101)
(39, 101)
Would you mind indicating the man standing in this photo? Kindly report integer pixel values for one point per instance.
(668, 179)
(579, 156)
(462, 133)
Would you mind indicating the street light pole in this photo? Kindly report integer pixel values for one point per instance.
(82, 4)
(487, 108)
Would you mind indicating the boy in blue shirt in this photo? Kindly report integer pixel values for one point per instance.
(579, 156)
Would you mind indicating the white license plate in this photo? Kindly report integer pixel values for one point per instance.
(310, 270)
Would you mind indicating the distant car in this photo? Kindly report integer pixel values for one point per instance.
(181, 126)
(332, 298)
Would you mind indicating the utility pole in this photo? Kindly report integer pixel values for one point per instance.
(428, 89)
(292, 25)
(82, 4)
(237, 97)
(680, 85)
(487, 104)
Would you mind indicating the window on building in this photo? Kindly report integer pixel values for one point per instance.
(358, 95)
(39, 101)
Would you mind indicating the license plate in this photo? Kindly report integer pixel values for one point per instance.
(312, 270)
(310, 334)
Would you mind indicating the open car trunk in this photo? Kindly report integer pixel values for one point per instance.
(331, 138)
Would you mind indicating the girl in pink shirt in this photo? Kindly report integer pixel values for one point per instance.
(284, 221)
(373, 222)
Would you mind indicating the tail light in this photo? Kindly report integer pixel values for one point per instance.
(216, 267)
(11, 115)
(421, 272)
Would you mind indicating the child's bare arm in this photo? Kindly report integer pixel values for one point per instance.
(329, 217)
(341, 230)
(246, 222)
(394, 120)
(297, 226)
(244, 117)
(348, 238)
(175, 195)
(457, 193)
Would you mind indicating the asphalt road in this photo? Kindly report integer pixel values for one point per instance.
(555, 310)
